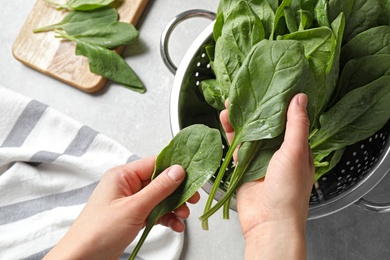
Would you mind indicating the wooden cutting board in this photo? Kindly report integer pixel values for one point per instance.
(56, 57)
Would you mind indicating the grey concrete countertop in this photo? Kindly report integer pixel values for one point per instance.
(141, 123)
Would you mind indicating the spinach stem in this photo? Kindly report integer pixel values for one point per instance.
(218, 179)
(226, 198)
(57, 5)
(45, 29)
(146, 232)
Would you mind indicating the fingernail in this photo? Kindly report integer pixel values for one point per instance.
(302, 100)
(176, 172)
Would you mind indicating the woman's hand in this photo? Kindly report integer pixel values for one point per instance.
(273, 210)
(117, 211)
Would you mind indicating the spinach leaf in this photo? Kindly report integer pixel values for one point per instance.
(198, 149)
(82, 5)
(272, 73)
(320, 47)
(213, 94)
(323, 164)
(279, 25)
(321, 13)
(361, 71)
(372, 41)
(110, 65)
(262, 8)
(360, 15)
(351, 119)
(109, 36)
(384, 17)
(291, 21)
(77, 22)
(241, 30)
(304, 12)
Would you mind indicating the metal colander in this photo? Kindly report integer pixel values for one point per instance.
(361, 168)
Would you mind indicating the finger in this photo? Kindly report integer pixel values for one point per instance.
(227, 127)
(297, 127)
(172, 221)
(143, 168)
(194, 199)
(182, 211)
(161, 187)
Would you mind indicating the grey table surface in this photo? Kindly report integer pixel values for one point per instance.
(142, 124)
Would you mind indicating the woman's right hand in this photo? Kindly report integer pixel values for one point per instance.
(273, 210)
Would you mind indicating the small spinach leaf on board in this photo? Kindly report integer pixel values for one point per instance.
(81, 5)
(77, 22)
(109, 36)
(351, 119)
(110, 65)
(198, 149)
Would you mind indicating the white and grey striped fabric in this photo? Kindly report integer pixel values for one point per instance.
(49, 165)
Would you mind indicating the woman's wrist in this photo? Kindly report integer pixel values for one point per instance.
(280, 239)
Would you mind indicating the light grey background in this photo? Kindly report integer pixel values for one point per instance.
(141, 123)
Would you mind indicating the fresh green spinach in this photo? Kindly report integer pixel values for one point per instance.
(259, 98)
(197, 149)
(341, 61)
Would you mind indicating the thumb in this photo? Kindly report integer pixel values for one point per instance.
(161, 187)
(298, 123)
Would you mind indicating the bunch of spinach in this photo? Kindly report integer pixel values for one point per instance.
(266, 51)
(197, 149)
(95, 29)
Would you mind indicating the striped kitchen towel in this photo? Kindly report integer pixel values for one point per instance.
(49, 165)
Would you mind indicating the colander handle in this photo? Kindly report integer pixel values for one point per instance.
(171, 26)
(373, 206)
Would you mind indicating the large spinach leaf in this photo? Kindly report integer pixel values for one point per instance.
(351, 119)
(198, 149)
(361, 71)
(360, 15)
(372, 41)
(263, 9)
(241, 30)
(271, 74)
